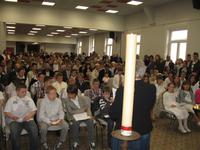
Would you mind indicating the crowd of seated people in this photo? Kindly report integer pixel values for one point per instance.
(70, 84)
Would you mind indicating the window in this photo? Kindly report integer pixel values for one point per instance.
(178, 44)
(79, 47)
(108, 46)
(91, 45)
(138, 44)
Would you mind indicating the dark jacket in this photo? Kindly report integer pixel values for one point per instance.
(145, 96)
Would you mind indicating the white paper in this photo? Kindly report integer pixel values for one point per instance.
(81, 116)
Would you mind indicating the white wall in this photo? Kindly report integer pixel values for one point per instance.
(172, 16)
(60, 48)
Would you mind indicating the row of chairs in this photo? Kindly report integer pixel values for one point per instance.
(99, 125)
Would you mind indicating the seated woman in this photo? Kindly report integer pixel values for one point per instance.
(51, 114)
(170, 104)
(77, 111)
(186, 99)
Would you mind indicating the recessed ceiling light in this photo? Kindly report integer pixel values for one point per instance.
(74, 34)
(82, 32)
(81, 7)
(67, 36)
(68, 27)
(33, 31)
(11, 32)
(135, 3)
(54, 33)
(40, 25)
(36, 29)
(93, 29)
(48, 3)
(60, 30)
(10, 27)
(50, 35)
(11, 0)
(112, 11)
(35, 43)
(31, 34)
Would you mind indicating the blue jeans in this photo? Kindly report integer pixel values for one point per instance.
(141, 144)
(16, 129)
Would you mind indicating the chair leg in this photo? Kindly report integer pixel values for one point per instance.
(102, 136)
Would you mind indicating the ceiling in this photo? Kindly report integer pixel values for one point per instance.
(97, 6)
(24, 29)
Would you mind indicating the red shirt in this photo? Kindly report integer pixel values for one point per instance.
(197, 96)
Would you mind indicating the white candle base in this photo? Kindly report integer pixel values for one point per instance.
(126, 133)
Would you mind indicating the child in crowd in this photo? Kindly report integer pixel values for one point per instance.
(104, 103)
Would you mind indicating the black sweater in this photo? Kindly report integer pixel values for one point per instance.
(145, 96)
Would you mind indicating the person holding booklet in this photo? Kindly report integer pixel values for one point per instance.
(77, 111)
(51, 114)
(20, 111)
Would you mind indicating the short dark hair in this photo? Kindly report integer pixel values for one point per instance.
(72, 89)
(47, 78)
(95, 80)
(21, 86)
(40, 73)
(58, 74)
(106, 89)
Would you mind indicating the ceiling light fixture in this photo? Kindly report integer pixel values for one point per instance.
(11, 1)
(68, 27)
(67, 36)
(54, 33)
(74, 34)
(11, 32)
(93, 29)
(33, 31)
(81, 7)
(112, 11)
(31, 34)
(60, 30)
(83, 32)
(10, 27)
(135, 3)
(50, 35)
(40, 25)
(48, 3)
(37, 29)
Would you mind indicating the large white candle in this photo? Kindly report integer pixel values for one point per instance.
(129, 85)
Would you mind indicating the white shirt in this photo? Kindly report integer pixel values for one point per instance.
(50, 110)
(20, 107)
(159, 90)
(116, 81)
(59, 86)
(169, 99)
(76, 102)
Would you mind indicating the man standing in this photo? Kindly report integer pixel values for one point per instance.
(20, 110)
(145, 96)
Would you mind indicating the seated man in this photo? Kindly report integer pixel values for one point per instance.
(78, 105)
(20, 110)
(51, 114)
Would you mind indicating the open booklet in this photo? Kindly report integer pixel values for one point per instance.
(81, 116)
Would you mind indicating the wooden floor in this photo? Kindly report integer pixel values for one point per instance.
(163, 138)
